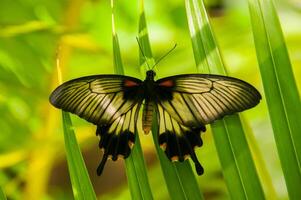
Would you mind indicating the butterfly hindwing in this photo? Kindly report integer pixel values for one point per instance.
(195, 99)
(112, 102)
(117, 139)
(179, 141)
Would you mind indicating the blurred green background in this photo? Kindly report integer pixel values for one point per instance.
(32, 154)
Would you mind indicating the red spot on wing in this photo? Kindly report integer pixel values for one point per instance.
(168, 83)
(129, 83)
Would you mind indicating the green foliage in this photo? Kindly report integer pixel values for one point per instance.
(32, 150)
(135, 164)
(280, 90)
(81, 184)
(234, 154)
(179, 177)
(2, 195)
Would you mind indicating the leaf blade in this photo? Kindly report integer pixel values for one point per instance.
(135, 163)
(2, 194)
(280, 90)
(81, 184)
(228, 133)
(179, 177)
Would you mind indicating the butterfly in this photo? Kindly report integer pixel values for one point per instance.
(183, 104)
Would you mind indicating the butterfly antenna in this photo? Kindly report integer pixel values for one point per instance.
(140, 47)
(165, 55)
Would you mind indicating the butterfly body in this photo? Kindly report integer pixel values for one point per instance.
(147, 116)
(183, 105)
(150, 92)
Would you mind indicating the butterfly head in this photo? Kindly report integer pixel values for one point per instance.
(150, 75)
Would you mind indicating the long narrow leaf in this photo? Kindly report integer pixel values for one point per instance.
(2, 195)
(80, 181)
(81, 184)
(135, 164)
(262, 170)
(179, 177)
(280, 90)
(232, 147)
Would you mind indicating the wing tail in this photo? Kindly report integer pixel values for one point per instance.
(178, 141)
(118, 138)
(102, 164)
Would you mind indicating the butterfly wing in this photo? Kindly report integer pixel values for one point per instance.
(185, 103)
(195, 99)
(99, 99)
(118, 138)
(178, 141)
(111, 102)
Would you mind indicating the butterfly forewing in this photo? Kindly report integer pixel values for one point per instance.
(99, 99)
(195, 99)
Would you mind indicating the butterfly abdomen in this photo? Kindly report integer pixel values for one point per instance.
(147, 116)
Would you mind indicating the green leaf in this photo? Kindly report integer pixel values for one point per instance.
(137, 174)
(179, 177)
(262, 170)
(2, 195)
(81, 184)
(231, 144)
(280, 90)
(135, 164)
